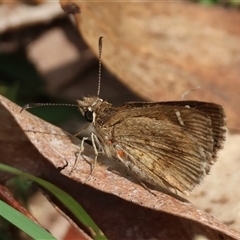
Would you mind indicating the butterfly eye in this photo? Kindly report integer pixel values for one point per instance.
(88, 115)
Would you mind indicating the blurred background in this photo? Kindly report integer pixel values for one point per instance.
(48, 54)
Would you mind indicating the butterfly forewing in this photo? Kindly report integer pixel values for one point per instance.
(162, 150)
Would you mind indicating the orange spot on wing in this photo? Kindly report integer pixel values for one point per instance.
(120, 153)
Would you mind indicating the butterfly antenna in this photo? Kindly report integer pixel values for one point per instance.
(33, 105)
(100, 65)
(187, 92)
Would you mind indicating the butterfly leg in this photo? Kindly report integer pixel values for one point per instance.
(79, 153)
(82, 145)
(95, 143)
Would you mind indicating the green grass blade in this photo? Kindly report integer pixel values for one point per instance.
(22, 222)
(65, 198)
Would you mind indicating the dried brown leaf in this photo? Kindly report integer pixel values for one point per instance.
(60, 148)
(161, 50)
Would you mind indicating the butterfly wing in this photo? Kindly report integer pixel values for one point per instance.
(166, 144)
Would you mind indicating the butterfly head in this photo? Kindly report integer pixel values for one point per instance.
(89, 106)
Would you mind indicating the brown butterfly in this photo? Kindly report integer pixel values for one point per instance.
(165, 143)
